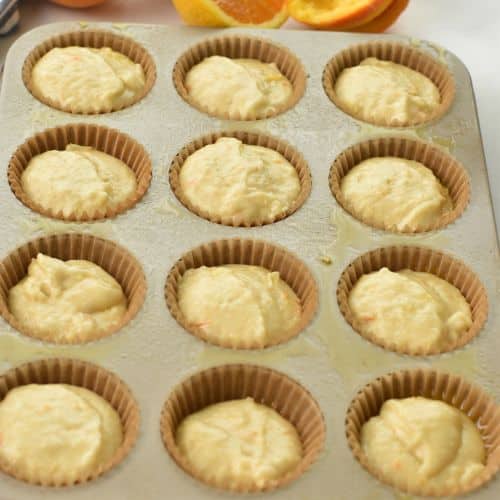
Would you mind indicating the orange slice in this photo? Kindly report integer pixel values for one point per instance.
(258, 13)
(385, 20)
(336, 14)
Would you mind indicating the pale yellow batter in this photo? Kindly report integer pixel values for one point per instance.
(57, 433)
(67, 301)
(86, 80)
(77, 181)
(386, 93)
(412, 310)
(239, 444)
(395, 193)
(230, 179)
(242, 88)
(238, 305)
(423, 443)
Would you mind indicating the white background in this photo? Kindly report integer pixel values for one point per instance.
(469, 29)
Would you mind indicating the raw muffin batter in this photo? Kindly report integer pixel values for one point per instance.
(239, 444)
(87, 80)
(423, 442)
(412, 310)
(232, 179)
(67, 301)
(242, 88)
(396, 193)
(238, 305)
(57, 432)
(78, 180)
(386, 93)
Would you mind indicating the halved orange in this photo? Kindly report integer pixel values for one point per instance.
(385, 20)
(256, 13)
(336, 14)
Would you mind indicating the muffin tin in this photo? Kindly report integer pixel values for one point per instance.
(153, 354)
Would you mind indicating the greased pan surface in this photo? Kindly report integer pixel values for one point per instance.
(153, 353)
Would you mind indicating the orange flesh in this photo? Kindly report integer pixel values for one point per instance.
(337, 14)
(340, 7)
(251, 11)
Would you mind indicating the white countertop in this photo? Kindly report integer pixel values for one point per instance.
(469, 29)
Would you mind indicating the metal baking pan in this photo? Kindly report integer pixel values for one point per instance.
(152, 354)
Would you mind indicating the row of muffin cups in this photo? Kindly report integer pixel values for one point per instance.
(277, 391)
(127, 271)
(447, 170)
(248, 47)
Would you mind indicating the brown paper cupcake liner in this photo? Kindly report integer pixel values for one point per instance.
(250, 252)
(111, 257)
(81, 374)
(241, 47)
(398, 53)
(253, 139)
(93, 39)
(448, 171)
(417, 259)
(101, 138)
(428, 383)
(268, 387)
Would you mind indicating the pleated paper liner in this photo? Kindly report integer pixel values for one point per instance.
(95, 39)
(81, 374)
(253, 139)
(268, 387)
(250, 252)
(111, 257)
(107, 140)
(241, 47)
(417, 259)
(398, 53)
(428, 383)
(450, 173)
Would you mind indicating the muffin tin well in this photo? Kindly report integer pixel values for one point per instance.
(109, 141)
(169, 371)
(241, 47)
(252, 139)
(479, 406)
(249, 252)
(80, 374)
(111, 257)
(95, 39)
(447, 170)
(423, 260)
(397, 53)
(264, 386)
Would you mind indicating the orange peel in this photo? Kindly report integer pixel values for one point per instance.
(385, 20)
